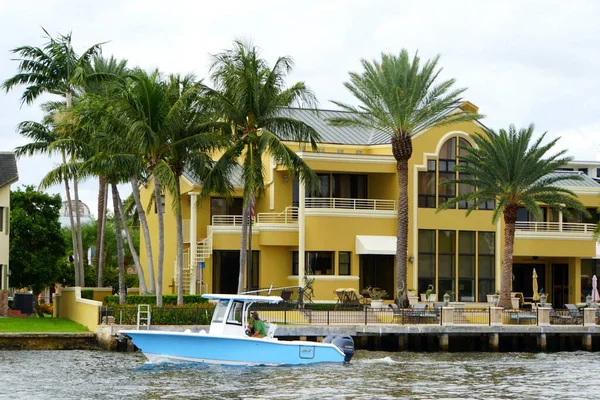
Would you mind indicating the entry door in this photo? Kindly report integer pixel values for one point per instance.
(377, 271)
(560, 285)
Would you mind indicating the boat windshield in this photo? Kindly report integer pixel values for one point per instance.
(235, 314)
(220, 309)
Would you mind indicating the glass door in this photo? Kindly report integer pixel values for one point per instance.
(560, 285)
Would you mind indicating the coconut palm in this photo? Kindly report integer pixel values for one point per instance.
(248, 97)
(56, 69)
(400, 97)
(509, 168)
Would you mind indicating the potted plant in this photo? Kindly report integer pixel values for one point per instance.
(376, 294)
(413, 298)
(492, 298)
(429, 294)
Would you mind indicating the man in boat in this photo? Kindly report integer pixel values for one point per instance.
(259, 327)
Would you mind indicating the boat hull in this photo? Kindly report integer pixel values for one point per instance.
(160, 346)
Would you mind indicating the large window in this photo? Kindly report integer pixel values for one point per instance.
(466, 266)
(316, 263)
(339, 186)
(426, 259)
(469, 280)
(447, 162)
(446, 260)
(162, 203)
(589, 268)
(344, 263)
(221, 206)
(486, 250)
(427, 186)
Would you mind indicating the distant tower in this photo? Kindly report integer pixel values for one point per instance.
(85, 216)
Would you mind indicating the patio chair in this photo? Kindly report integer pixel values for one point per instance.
(573, 310)
(396, 310)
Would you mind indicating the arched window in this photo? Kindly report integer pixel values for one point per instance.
(433, 179)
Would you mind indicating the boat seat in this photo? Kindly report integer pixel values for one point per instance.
(271, 328)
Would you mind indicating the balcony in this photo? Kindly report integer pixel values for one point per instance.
(336, 207)
(553, 230)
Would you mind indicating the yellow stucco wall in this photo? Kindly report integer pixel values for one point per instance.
(5, 205)
(69, 304)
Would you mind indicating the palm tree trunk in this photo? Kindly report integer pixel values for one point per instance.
(402, 150)
(78, 231)
(135, 190)
(99, 259)
(120, 255)
(72, 224)
(243, 248)
(134, 254)
(102, 205)
(179, 242)
(76, 254)
(161, 239)
(510, 218)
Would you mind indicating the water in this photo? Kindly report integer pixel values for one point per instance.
(371, 375)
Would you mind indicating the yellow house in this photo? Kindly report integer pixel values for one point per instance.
(8, 175)
(346, 237)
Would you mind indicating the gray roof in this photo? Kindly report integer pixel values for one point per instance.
(8, 169)
(335, 134)
(585, 182)
(235, 179)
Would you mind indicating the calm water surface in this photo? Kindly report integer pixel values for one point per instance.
(371, 375)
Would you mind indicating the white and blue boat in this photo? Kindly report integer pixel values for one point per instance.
(227, 343)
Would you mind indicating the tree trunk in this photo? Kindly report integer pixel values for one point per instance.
(135, 190)
(78, 231)
(510, 218)
(99, 259)
(161, 239)
(134, 254)
(72, 224)
(402, 150)
(179, 242)
(250, 261)
(120, 255)
(243, 247)
(76, 255)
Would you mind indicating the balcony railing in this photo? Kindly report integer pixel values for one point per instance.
(287, 216)
(535, 226)
(228, 220)
(350, 204)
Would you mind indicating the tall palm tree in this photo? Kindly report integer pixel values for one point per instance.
(248, 97)
(509, 168)
(400, 97)
(56, 69)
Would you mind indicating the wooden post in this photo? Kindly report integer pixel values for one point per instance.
(494, 341)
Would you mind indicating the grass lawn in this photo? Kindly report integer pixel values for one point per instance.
(35, 324)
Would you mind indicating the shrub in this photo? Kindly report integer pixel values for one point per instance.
(46, 308)
(87, 294)
(200, 314)
(168, 299)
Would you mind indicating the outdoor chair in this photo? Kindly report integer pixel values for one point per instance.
(397, 313)
(286, 295)
(573, 310)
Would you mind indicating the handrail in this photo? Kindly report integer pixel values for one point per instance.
(542, 226)
(350, 204)
(287, 216)
(228, 220)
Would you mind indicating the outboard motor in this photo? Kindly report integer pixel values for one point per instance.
(343, 342)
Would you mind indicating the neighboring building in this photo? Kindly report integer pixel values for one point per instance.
(8, 176)
(346, 237)
(85, 216)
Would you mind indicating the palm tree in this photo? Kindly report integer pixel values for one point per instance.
(56, 69)
(509, 168)
(400, 97)
(248, 97)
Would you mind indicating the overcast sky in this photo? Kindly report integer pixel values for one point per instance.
(522, 61)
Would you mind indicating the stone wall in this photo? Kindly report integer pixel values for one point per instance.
(3, 303)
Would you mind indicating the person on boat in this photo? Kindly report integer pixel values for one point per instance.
(259, 327)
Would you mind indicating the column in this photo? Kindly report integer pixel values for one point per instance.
(447, 316)
(589, 317)
(544, 316)
(496, 316)
(444, 341)
(542, 342)
(193, 241)
(301, 233)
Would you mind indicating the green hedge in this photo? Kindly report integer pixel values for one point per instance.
(87, 294)
(168, 299)
(200, 314)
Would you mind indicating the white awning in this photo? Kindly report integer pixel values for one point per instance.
(376, 245)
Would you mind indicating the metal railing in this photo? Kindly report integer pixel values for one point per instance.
(287, 216)
(520, 317)
(228, 220)
(536, 226)
(565, 317)
(350, 204)
(473, 316)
